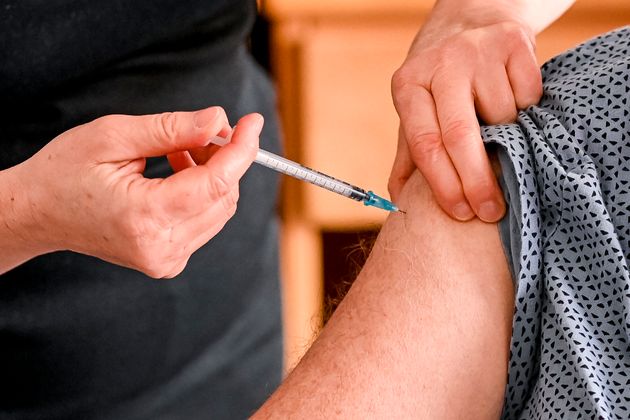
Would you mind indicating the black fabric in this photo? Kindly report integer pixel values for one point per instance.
(48, 43)
(81, 338)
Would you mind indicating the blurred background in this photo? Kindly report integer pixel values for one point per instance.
(332, 61)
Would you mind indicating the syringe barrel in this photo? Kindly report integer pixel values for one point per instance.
(295, 170)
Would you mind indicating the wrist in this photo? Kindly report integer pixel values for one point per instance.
(533, 15)
(492, 9)
(21, 231)
(451, 17)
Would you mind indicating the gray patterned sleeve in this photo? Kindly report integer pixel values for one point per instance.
(566, 177)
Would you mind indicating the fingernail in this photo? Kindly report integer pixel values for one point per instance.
(463, 212)
(259, 123)
(204, 117)
(490, 211)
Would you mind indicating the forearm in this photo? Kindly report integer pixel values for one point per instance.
(536, 14)
(424, 331)
(539, 14)
(18, 226)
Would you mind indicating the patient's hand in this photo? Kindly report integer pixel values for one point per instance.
(424, 331)
(471, 58)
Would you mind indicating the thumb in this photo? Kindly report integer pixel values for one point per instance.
(192, 190)
(129, 137)
(402, 168)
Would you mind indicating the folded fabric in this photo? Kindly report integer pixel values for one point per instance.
(566, 177)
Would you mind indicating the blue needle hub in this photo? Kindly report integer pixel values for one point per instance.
(379, 202)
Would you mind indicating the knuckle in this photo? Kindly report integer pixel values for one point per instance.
(466, 43)
(108, 128)
(460, 54)
(425, 146)
(106, 120)
(400, 79)
(403, 81)
(166, 126)
(457, 132)
(397, 88)
(218, 185)
(230, 201)
(515, 35)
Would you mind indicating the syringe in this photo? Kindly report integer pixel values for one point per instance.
(295, 170)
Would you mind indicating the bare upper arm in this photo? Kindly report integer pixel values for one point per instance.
(424, 331)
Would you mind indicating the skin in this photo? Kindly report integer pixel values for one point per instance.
(424, 331)
(472, 58)
(85, 191)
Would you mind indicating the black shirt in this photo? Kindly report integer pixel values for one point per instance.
(82, 338)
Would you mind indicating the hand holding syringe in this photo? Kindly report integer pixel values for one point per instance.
(295, 170)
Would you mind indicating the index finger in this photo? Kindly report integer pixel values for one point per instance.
(421, 129)
(192, 190)
(461, 136)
